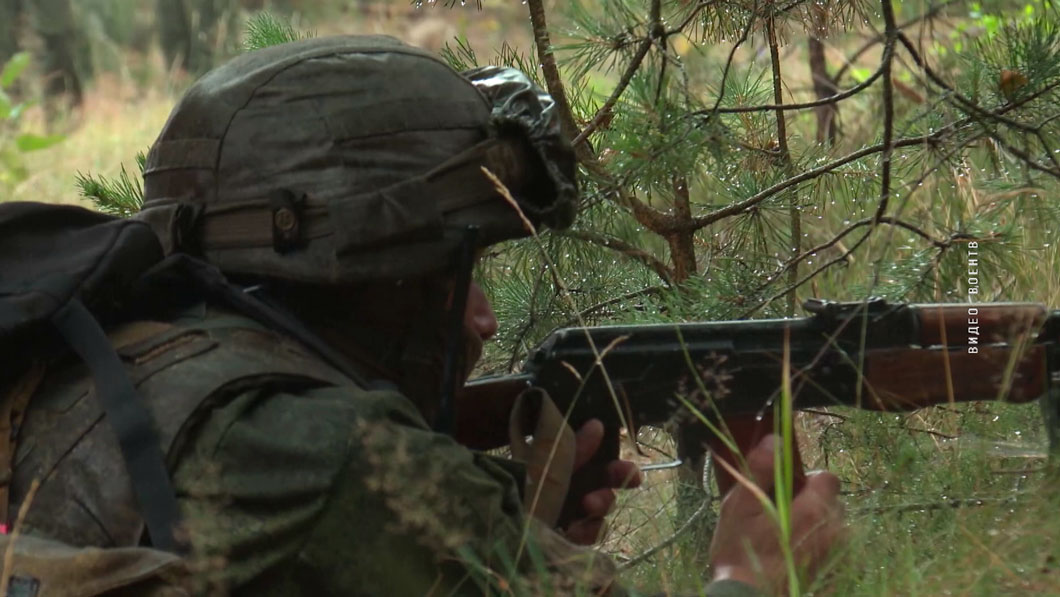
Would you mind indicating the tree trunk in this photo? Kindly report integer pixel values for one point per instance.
(62, 44)
(690, 490)
(190, 31)
(173, 32)
(682, 239)
(9, 29)
(823, 86)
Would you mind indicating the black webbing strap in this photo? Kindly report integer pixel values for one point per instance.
(131, 422)
(256, 306)
(445, 422)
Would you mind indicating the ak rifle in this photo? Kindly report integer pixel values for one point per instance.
(872, 355)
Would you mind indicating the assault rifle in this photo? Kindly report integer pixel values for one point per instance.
(872, 355)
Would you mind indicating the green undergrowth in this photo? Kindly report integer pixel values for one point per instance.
(953, 500)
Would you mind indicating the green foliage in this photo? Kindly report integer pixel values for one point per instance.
(265, 29)
(14, 142)
(462, 56)
(122, 196)
(691, 133)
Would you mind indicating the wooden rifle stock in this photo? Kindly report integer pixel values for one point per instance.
(871, 355)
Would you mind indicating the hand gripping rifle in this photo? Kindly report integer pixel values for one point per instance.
(872, 355)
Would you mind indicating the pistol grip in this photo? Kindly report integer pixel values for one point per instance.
(590, 477)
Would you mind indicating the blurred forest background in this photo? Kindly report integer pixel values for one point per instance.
(738, 157)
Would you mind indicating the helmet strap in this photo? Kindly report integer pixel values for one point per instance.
(454, 340)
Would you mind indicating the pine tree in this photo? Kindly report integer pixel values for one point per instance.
(722, 178)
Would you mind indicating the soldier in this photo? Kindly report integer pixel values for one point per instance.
(338, 180)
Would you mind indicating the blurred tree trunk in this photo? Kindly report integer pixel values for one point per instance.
(191, 32)
(173, 32)
(9, 14)
(54, 22)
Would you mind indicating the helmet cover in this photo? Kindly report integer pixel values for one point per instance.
(351, 158)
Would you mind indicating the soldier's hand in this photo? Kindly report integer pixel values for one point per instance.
(595, 505)
(744, 527)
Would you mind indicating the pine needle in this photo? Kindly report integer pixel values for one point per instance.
(122, 196)
(265, 29)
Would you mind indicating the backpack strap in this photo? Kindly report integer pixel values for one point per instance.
(172, 275)
(12, 409)
(131, 422)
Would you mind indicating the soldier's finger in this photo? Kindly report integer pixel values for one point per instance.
(597, 504)
(623, 474)
(817, 515)
(759, 471)
(760, 461)
(587, 441)
(585, 531)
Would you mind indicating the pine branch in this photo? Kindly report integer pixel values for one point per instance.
(691, 16)
(799, 106)
(553, 80)
(625, 249)
(964, 103)
(728, 65)
(930, 14)
(996, 116)
(891, 33)
(873, 222)
(604, 113)
(586, 312)
(757, 198)
(122, 196)
(841, 259)
(265, 29)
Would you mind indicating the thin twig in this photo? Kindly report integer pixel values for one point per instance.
(921, 507)
(842, 95)
(688, 524)
(631, 69)
(9, 553)
(784, 154)
(941, 245)
(764, 194)
(809, 276)
(626, 249)
(614, 301)
(728, 61)
(931, 432)
(930, 14)
(823, 413)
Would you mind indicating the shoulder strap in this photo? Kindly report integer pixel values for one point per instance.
(171, 276)
(12, 409)
(128, 417)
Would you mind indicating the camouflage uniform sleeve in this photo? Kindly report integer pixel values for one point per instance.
(337, 491)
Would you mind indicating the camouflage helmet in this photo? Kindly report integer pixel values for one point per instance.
(351, 158)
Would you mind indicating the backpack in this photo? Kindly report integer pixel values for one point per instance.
(66, 274)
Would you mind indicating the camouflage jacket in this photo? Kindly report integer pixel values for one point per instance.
(292, 479)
